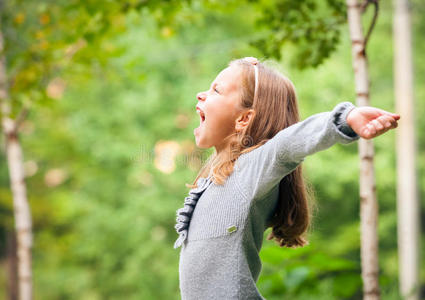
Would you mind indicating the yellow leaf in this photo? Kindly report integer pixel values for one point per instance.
(39, 34)
(44, 19)
(166, 31)
(44, 45)
(19, 18)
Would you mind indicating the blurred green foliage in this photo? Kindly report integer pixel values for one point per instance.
(111, 84)
(313, 27)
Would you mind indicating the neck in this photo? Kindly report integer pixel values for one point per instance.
(223, 150)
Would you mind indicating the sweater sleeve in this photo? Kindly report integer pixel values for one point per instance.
(262, 168)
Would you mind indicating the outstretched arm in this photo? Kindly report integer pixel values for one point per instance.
(267, 165)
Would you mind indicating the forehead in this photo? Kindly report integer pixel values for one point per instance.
(228, 79)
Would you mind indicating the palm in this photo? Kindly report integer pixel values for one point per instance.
(369, 122)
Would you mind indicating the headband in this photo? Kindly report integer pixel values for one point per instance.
(254, 62)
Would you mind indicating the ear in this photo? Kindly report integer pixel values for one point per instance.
(244, 119)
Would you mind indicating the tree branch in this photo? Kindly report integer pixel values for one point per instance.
(364, 5)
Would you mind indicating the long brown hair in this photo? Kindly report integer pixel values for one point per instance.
(275, 108)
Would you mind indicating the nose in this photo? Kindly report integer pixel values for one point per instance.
(200, 96)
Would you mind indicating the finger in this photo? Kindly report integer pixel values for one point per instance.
(387, 121)
(377, 124)
(393, 115)
(390, 123)
(371, 128)
(370, 134)
(366, 134)
(385, 118)
(393, 123)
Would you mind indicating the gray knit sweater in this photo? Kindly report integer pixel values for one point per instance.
(221, 227)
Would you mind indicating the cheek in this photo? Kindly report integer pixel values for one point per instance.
(223, 113)
(222, 120)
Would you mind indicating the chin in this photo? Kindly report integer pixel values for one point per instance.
(201, 145)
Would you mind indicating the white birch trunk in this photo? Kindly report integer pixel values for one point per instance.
(368, 202)
(16, 174)
(12, 269)
(407, 198)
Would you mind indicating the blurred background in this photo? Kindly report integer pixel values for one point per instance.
(110, 89)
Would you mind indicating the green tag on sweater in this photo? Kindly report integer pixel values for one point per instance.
(232, 229)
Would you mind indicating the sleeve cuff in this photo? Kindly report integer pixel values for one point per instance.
(340, 113)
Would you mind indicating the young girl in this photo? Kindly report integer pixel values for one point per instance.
(253, 180)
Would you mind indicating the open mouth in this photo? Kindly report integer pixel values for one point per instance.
(201, 114)
(197, 131)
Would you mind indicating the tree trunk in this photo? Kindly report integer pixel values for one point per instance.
(12, 266)
(17, 181)
(368, 202)
(407, 199)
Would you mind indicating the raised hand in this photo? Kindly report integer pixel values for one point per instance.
(369, 122)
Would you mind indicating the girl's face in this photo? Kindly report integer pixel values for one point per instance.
(218, 109)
